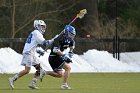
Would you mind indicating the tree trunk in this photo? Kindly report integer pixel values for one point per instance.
(13, 19)
(91, 19)
(13, 22)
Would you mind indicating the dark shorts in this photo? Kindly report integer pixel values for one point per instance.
(56, 63)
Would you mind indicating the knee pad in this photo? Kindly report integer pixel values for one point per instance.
(37, 67)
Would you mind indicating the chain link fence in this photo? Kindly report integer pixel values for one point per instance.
(82, 44)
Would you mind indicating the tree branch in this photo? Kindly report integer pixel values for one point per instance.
(50, 12)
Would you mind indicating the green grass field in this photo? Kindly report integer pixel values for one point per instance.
(80, 82)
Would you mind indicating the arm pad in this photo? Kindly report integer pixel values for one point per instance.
(46, 43)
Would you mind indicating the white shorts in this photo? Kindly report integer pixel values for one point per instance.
(29, 60)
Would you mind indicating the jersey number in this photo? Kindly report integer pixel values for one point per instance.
(29, 39)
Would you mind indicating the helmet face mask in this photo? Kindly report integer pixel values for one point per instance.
(40, 25)
(42, 28)
(71, 35)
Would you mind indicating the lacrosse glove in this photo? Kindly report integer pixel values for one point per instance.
(66, 58)
(41, 53)
(70, 54)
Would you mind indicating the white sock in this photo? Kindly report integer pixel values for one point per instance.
(64, 84)
(15, 77)
(34, 79)
(46, 72)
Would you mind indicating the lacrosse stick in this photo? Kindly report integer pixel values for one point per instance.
(80, 15)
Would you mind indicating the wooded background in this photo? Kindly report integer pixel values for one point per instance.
(102, 20)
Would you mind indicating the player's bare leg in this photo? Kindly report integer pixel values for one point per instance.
(20, 74)
(57, 74)
(66, 76)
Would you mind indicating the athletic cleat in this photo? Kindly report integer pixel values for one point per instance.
(64, 86)
(42, 74)
(11, 81)
(33, 86)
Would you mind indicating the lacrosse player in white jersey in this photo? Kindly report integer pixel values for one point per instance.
(29, 59)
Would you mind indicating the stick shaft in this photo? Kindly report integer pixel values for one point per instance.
(73, 20)
(71, 23)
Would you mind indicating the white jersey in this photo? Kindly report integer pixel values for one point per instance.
(32, 41)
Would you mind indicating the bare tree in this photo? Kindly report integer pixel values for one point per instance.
(23, 12)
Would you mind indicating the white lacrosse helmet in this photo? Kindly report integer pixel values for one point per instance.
(40, 25)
